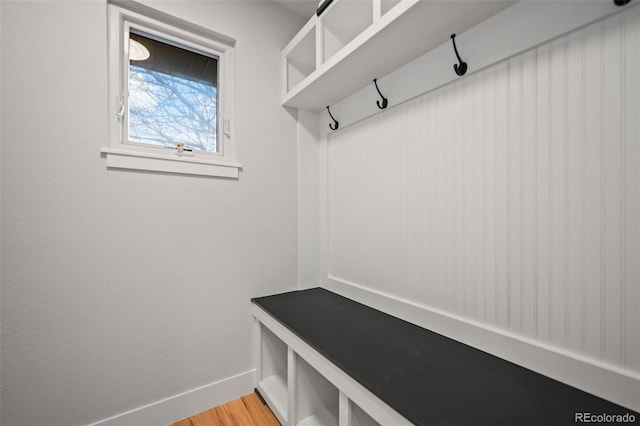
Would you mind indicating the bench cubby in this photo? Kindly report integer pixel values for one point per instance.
(352, 365)
(316, 398)
(272, 382)
(358, 417)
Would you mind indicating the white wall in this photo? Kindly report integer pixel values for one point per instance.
(123, 288)
(507, 200)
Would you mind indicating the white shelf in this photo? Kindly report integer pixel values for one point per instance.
(316, 398)
(273, 381)
(301, 60)
(356, 51)
(342, 23)
(274, 390)
(323, 417)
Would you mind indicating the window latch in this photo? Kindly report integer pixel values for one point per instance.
(180, 149)
(120, 113)
(226, 127)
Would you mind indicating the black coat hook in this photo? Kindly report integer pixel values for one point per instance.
(621, 2)
(460, 68)
(336, 124)
(385, 101)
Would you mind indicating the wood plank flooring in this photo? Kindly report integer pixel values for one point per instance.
(245, 411)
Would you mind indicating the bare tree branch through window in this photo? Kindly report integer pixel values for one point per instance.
(165, 109)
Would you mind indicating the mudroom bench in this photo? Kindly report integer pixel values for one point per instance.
(328, 360)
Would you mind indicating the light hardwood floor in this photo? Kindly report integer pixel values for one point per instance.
(245, 411)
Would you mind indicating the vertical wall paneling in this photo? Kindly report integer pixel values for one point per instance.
(527, 203)
(509, 197)
(514, 192)
(612, 190)
(502, 225)
(631, 158)
(489, 258)
(574, 190)
(593, 202)
(542, 213)
(557, 117)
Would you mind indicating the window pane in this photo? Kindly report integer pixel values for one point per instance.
(173, 97)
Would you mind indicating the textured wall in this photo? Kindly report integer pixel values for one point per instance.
(510, 197)
(121, 288)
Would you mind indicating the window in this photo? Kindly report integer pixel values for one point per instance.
(171, 95)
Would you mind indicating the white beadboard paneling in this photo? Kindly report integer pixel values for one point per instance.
(490, 243)
(557, 198)
(631, 165)
(613, 227)
(514, 192)
(543, 189)
(528, 160)
(510, 197)
(574, 190)
(502, 294)
(593, 153)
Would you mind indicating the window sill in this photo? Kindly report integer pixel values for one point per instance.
(122, 159)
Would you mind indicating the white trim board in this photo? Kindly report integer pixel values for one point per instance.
(609, 382)
(185, 404)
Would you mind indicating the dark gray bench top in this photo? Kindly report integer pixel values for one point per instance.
(428, 378)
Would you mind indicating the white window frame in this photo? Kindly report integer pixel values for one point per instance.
(123, 154)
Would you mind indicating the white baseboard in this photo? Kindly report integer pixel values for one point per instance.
(606, 381)
(185, 404)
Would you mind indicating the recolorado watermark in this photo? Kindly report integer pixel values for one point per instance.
(604, 418)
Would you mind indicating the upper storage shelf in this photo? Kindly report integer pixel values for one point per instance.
(355, 41)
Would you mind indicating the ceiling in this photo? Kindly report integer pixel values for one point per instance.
(305, 8)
